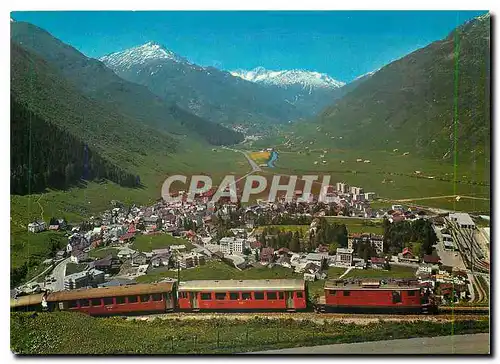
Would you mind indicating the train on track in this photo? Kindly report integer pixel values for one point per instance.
(263, 295)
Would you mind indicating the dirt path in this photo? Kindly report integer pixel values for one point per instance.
(440, 197)
(41, 207)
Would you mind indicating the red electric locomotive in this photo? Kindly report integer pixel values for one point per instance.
(374, 296)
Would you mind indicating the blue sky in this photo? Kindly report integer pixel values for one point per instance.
(342, 44)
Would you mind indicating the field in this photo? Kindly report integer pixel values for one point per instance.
(55, 333)
(293, 228)
(353, 225)
(103, 252)
(75, 268)
(478, 205)
(147, 243)
(260, 157)
(359, 225)
(391, 175)
(395, 272)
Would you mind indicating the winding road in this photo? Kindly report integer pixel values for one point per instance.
(255, 166)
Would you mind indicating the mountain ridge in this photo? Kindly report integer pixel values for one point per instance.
(284, 78)
(97, 81)
(207, 92)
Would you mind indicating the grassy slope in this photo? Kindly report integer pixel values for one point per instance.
(411, 102)
(42, 334)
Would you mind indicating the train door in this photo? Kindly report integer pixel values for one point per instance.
(168, 300)
(193, 299)
(289, 299)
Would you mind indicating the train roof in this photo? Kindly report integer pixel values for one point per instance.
(134, 289)
(21, 301)
(243, 285)
(371, 285)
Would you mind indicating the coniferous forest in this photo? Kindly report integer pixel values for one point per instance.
(45, 156)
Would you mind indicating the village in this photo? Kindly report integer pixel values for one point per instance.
(131, 244)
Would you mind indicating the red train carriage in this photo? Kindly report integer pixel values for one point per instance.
(399, 297)
(243, 295)
(138, 298)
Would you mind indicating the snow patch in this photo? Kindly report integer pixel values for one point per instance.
(309, 80)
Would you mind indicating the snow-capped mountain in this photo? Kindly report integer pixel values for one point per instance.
(205, 91)
(285, 78)
(240, 96)
(140, 55)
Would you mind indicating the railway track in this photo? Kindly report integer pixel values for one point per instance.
(458, 314)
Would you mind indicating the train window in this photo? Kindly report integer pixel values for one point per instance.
(299, 294)
(183, 295)
(220, 296)
(108, 301)
(72, 304)
(132, 299)
(272, 295)
(411, 293)
(206, 296)
(234, 296)
(396, 297)
(157, 297)
(246, 296)
(84, 303)
(145, 298)
(347, 293)
(259, 295)
(281, 295)
(96, 302)
(332, 292)
(120, 300)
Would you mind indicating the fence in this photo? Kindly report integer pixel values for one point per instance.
(249, 341)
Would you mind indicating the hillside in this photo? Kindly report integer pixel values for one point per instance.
(93, 79)
(431, 102)
(44, 155)
(41, 86)
(205, 91)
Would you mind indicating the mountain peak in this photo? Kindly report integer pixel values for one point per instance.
(150, 51)
(285, 78)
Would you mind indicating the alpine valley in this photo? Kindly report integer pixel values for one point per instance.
(85, 132)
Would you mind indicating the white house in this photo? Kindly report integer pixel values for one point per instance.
(230, 245)
(344, 257)
(37, 226)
